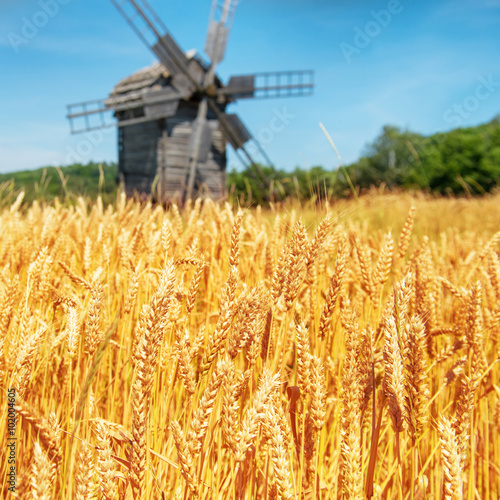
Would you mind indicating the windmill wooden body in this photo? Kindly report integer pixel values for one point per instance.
(172, 121)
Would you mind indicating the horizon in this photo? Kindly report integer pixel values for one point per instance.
(427, 68)
(336, 167)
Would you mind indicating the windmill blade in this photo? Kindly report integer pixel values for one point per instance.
(89, 115)
(161, 110)
(157, 104)
(120, 102)
(238, 135)
(236, 132)
(96, 114)
(151, 30)
(199, 151)
(199, 145)
(270, 84)
(219, 26)
(221, 19)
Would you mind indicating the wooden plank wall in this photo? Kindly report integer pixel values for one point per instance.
(160, 147)
(173, 151)
(138, 161)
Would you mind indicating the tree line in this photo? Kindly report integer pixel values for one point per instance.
(461, 161)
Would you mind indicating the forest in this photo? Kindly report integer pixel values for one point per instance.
(463, 161)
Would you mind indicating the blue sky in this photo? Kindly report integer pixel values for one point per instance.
(425, 65)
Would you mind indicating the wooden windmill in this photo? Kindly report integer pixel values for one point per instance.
(172, 122)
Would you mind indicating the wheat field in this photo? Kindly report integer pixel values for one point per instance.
(340, 351)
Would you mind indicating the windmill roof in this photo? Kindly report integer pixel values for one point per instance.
(134, 87)
(147, 79)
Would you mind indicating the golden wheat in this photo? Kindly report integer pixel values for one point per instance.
(214, 353)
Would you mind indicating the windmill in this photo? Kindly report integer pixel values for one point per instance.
(172, 122)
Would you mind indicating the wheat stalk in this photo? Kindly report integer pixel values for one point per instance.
(350, 446)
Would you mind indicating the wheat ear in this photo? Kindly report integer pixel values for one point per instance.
(28, 351)
(281, 463)
(42, 474)
(254, 415)
(404, 238)
(105, 463)
(302, 348)
(224, 321)
(149, 335)
(93, 333)
(230, 419)
(201, 416)
(316, 245)
(383, 267)
(333, 290)
(417, 387)
(84, 477)
(46, 435)
(452, 463)
(185, 458)
(394, 386)
(295, 264)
